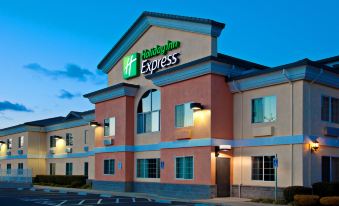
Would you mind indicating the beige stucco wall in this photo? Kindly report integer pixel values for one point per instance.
(290, 170)
(289, 115)
(78, 139)
(15, 143)
(313, 125)
(145, 155)
(78, 165)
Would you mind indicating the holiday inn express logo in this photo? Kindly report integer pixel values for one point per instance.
(131, 64)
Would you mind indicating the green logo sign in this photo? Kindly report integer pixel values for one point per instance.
(131, 66)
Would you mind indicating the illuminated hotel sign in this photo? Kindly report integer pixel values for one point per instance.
(137, 63)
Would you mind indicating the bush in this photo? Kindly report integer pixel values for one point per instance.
(62, 180)
(325, 189)
(306, 200)
(290, 192)
(333, 201)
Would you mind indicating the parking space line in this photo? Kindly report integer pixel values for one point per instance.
(99, 201)
(61, 203)
(133, 199)
(82, 201)
(117, 200)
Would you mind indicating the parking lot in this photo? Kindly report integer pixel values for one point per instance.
(19, 197)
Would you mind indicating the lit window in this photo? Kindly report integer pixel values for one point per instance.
(148, 168)
(149, 112)
(69, 139)
(52, 142)
(184, 167)
(109, 166)
(183, 115)
(21, 142)
(109, 127)
(69, 168)
(9, 143)
(330, 109)
(262, 168)
(264, 109)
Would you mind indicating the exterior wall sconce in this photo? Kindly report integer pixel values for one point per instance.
(57, 137)
(314, 146)
(94, 124)
(2, 142)
(222, 148)
(196, 106)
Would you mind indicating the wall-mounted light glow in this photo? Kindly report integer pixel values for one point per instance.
(57, 137)
(94, 124)
(225, 147)
(314, 146)
(2, 142)
(196, 106)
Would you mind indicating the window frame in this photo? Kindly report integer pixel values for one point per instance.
(109, 174)
(9, 143)
(69, 139)
(21, 142)
(52, 142)
(52, 168)
(71, 168)
(263, 98)
(85, 136)
(330, 115)
(157, 169)
(144, 114)
(20, 170)
(175, 168)
(175, 115)
(86, 169)
(263, 168)
(109, 127)
(330, 167)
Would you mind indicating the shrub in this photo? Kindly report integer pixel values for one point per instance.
(62, 180)
(290, 192)
(333, 201)
(325, 189)
(306, 200)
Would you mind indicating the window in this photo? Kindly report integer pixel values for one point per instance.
(184, 167)
(69, 139)
(149, 112)
(264, 109)
(85, 136)
(86, 168)
(148, 168)
(20, 168)
(330, 109)
(52, 167)
(9, 168)
(52, 142)
(69, 168)
(262, 168)
(109, 167)
(21, 142)
(9, 143)
(330, 169)
(183, 115)
(109, 127)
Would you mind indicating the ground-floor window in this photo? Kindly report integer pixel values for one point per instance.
(69, 168)
(148, 168)
(9, 168)
(52, 167)
(330, 169)
(184, 167)
(109, 167)
(86, 168)
(262, 168)
(20, 168)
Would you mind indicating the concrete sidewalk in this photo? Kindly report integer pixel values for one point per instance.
(227, 201)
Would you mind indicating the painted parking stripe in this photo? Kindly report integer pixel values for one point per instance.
(99, 202)
(82, 201)
(61, 203)
(32, 189)
(117, 200)
(133, 199)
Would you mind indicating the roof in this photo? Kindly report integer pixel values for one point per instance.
(301, 62)
(123, 84)
(45, 122)
(328, 60)
(158, 15)
(240, 62)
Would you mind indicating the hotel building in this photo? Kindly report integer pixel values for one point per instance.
(180, 119)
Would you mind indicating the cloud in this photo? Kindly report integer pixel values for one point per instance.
(64, 94)
(71, 71)
(6, 105)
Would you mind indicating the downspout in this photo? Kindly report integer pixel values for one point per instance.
(309, 124)
(292, 121)
(242, 131)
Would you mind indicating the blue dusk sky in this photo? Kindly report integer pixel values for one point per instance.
(49, 50)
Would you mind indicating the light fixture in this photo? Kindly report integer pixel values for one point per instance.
(94, 124)
(2, 142)
(57, 137)
(314, 146)
(221, 148)
(196, 106)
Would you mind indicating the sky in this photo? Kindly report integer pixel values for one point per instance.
(49, 50)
